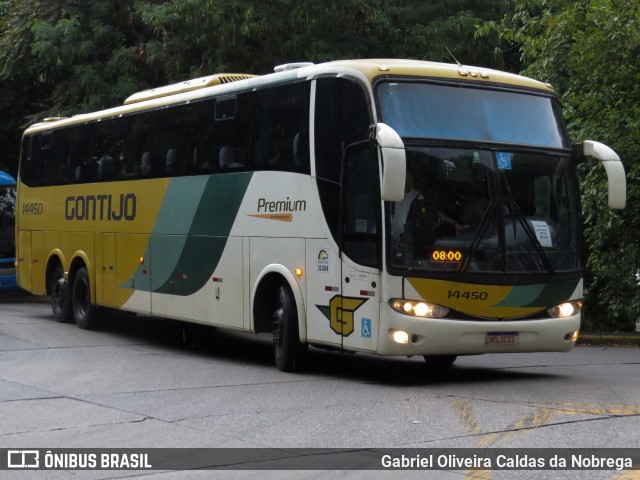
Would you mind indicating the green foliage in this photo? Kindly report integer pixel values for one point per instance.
(254, 36)
(87, 57)
(63, 57)
(589, 51)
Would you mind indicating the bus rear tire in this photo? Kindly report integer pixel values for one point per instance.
(84, 313)
(440, 361)
(288, 351)
(60, 296)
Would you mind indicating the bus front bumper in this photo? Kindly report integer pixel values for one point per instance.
(429, 336)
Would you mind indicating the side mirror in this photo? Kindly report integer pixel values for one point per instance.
(394, 164)
(616, 176)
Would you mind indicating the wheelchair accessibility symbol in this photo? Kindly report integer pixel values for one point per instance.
(366, 328)
(504, 160)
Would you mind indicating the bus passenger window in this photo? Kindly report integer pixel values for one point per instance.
(225, 135)
(281, 119)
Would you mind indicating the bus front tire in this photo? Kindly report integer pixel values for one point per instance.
(60, 296)
(288, 351)
(84, 313)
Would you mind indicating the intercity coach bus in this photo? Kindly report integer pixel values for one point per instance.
(7, 232)
(394, 207)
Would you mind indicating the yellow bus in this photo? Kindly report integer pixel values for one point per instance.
(394, 207)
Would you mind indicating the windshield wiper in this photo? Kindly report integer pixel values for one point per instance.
(515, 212)
(486, 218)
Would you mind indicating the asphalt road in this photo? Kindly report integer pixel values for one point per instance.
(142, 383)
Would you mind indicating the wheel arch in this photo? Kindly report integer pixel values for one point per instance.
(264, 287)
(56, 257)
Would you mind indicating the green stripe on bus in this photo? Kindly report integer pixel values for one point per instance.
(540, 295)
(190, 233)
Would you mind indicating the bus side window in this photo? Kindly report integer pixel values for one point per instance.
(224, 144)
(178, 136)
(281, 124)
(139, 146)
(342, 117)
(45, 160)
(29, 160)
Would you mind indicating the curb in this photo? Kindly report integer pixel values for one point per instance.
(619, 339)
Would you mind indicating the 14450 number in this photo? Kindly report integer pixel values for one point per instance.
(468, 295)
(35, 208)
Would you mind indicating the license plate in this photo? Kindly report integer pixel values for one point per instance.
(510, 338)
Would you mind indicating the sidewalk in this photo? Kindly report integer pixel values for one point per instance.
(619, 339)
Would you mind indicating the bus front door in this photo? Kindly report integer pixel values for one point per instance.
(359, 307)
(360, 248)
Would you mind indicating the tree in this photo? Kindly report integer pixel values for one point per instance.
(589, 50)
(251, 36)
(64, 57)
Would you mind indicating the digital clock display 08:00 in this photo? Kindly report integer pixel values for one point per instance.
(446, 255)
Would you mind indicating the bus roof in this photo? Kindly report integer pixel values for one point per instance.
(6, 179)
(221, 84)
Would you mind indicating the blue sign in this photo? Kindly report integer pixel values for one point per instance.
(504, 160)
(6, 179)
(366, 328)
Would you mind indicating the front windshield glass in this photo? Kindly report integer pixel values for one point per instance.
(7, 221)
(481, 210)
(458, 112)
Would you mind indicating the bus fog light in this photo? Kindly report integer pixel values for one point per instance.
(566, 309)
(399, 336)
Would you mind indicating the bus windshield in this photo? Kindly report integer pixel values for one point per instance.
(7, 221)
(481, 206)
(483, 211)
(424, 110)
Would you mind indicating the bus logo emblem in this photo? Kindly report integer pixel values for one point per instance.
(340, 313)
(323, 261)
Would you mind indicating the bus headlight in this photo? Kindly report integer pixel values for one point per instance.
(566, 309)
(418, 308)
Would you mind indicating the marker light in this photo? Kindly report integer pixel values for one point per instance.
(418, 308)
(141, 259)
(566, 309)
(399, 336)
(298, 272)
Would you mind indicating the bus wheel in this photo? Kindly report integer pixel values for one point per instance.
(60, 298)
(440, 361)
(288, 350)
(83, 312)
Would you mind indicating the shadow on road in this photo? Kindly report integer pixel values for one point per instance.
(257, 350)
